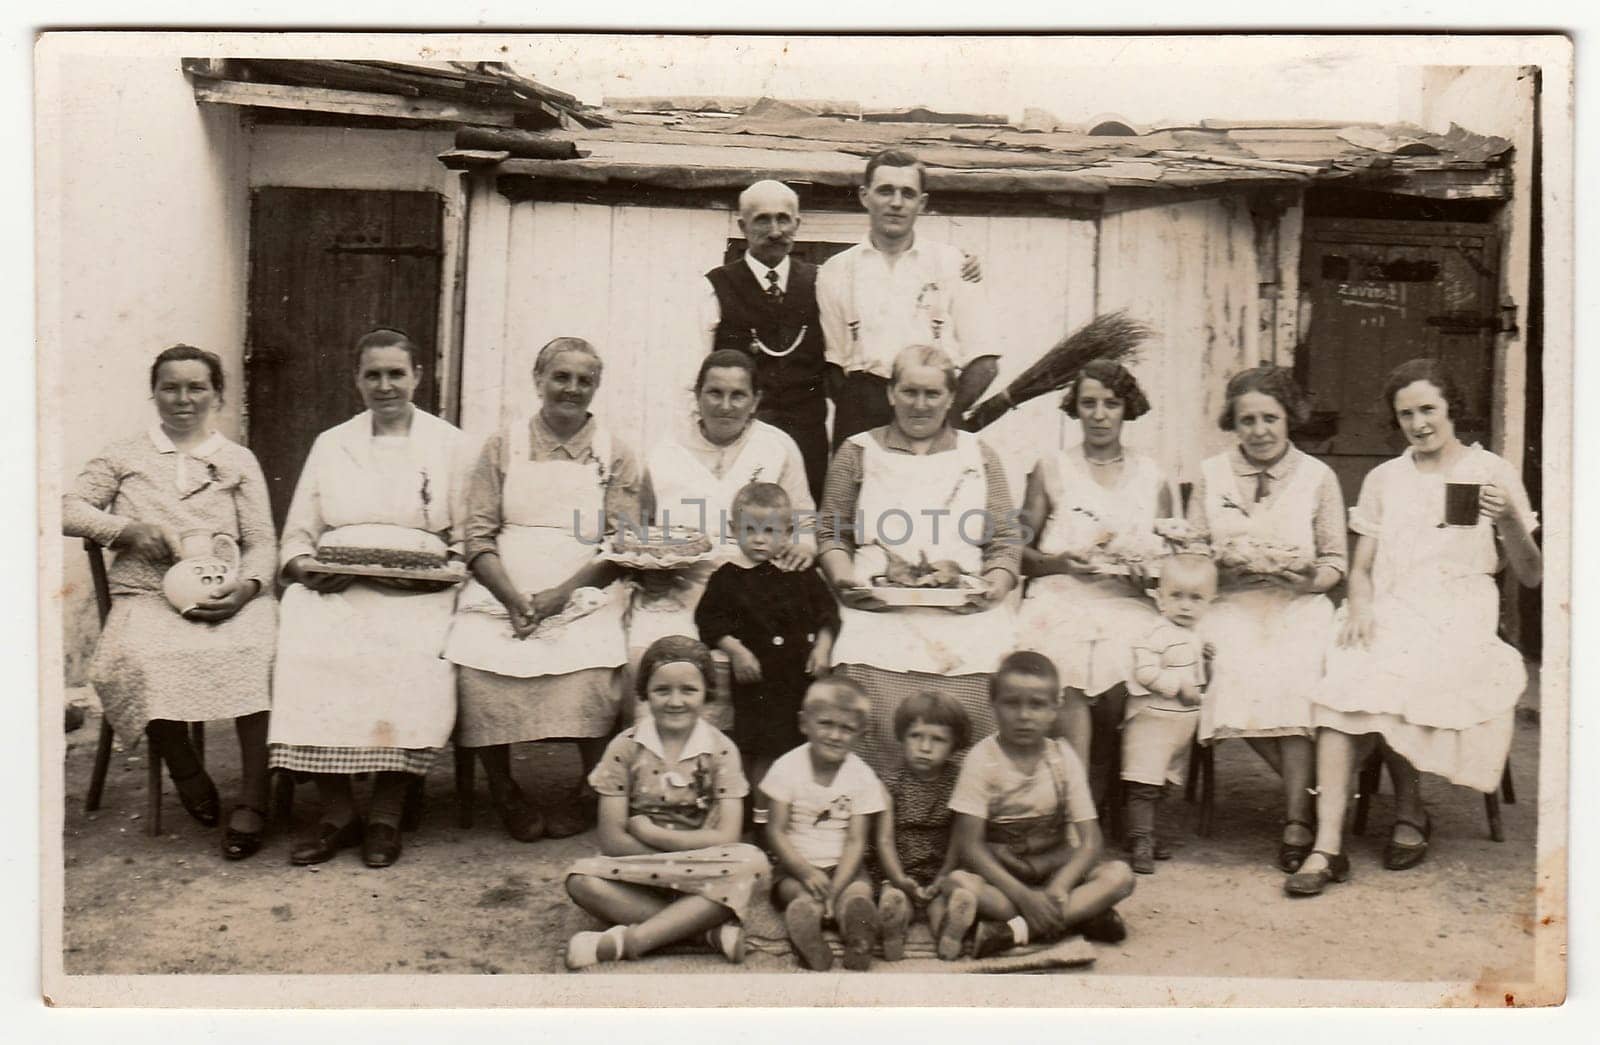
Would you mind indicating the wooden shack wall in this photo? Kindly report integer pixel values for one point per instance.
(629, 279)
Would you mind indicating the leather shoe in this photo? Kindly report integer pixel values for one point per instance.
(1290, 855)
(199, 797)
(992, 938)
(236, 844)
(1397, 856)
(1105, 927)
(521, 820)
(1311, 883)
(328, 840)
(380, 845)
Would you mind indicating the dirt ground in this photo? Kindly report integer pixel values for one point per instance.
(474, 901)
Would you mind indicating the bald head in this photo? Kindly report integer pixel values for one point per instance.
(769, 217)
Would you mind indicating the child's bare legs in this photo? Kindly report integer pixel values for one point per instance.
(993, 905)
(1106, 885)
(652, 920)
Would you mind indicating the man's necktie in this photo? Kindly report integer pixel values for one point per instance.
(774, 292)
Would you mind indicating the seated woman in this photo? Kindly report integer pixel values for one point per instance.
(1098, 494)
(694, 477)
(1278, 514)
(923, 491)
(1417, 661)
(155, 669)
(359, 683)
(539, 500)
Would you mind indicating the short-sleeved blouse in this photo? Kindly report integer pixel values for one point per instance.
(677, 794)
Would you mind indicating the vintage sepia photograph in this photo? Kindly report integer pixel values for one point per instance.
(804, 520)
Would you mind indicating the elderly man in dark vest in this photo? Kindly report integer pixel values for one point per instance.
(765, 303)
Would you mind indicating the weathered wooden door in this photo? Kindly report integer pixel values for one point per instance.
(327, 265)
(1383, 292)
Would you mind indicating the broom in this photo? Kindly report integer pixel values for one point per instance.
(1110, 336)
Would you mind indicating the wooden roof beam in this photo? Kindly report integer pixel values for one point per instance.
(354, 103)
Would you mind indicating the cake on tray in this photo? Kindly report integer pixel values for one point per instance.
(378, 544)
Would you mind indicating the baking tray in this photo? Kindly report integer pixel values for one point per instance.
(453, 572)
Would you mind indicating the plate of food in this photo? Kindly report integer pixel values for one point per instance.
(901, 582)
(379, 550)
(658, 548)
(1261, 557)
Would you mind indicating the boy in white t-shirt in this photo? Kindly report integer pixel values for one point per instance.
(823, 799)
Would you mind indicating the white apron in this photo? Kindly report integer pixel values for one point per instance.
(1087, 625)
(1270, 641)
(550, 512)
(895, 491)
(690, 494)
(363, 668)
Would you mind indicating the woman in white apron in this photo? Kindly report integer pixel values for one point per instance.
(360, 683)
(538, 631)
(915, 487)
(1083, 620)
(694, 478)
(1417, 660)
(1270, 631)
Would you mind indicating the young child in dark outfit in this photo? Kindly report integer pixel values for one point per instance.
(776, 626)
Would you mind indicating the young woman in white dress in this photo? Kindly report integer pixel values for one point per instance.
(1270, 629)
(1416, 660)
(1083, 620)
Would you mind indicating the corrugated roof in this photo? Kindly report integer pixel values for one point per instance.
(768, 138)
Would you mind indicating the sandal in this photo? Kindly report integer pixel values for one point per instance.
(199, 797)
(1398, 856)
(1292, 855)
(237, 844)
(1311, 883)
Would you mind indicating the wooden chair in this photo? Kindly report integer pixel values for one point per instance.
(102, 754)
(1371, 780)
(1201, 782)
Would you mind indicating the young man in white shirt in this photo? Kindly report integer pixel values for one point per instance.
(893, 290)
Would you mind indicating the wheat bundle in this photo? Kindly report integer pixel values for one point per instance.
(1110, 336)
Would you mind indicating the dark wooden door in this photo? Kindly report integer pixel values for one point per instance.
(327, 265)
(1383, 292)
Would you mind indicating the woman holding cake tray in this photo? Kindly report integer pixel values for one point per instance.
(538, 631)
(359, 683)
(694, 478)
(911, 491)
(156, 669)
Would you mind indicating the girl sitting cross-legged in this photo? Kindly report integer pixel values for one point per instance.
(671, 867)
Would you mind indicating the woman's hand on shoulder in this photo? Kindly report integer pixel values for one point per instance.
(149, 541)
(797, 556)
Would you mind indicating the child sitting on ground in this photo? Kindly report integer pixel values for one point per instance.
(1018, 791)
(671, 795)
(776, 626)
(823, 800)
(914, 856)
(1164, 691)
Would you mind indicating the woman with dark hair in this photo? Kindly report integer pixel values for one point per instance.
(538, 631)
(1417, 661)
(155, 668)
(1275, 519)
(1094, 495)
(693, 478)
(359, 682)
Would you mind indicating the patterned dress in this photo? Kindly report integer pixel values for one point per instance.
(151, 663)
(921, 821)
(681, 795)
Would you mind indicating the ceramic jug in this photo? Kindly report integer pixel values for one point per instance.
(201, 573)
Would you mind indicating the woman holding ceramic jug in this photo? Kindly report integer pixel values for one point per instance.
(180, 491)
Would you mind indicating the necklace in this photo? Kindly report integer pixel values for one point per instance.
(1107, 463)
